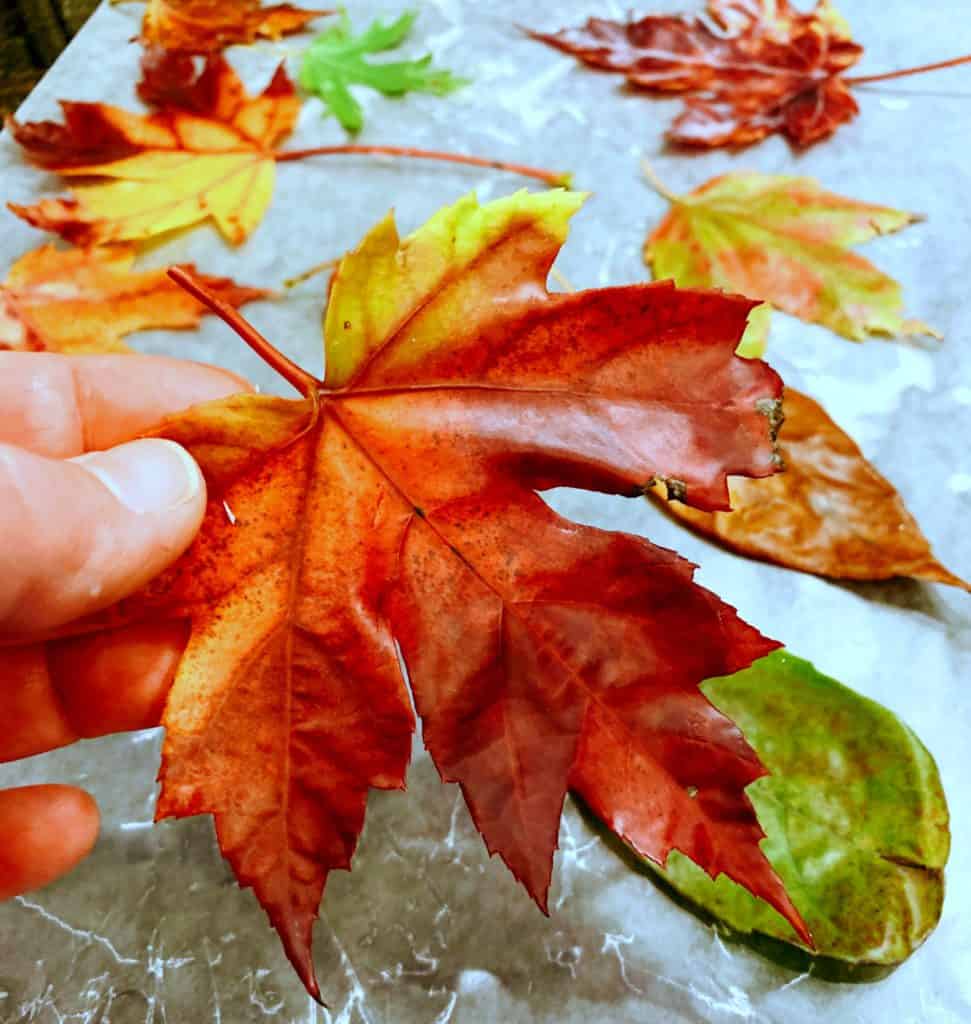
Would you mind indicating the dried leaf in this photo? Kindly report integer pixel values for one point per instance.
(397, 505)
(336, 60)
(855, 817)
(207, 26)
(830, 512)
(206, 152)
(87, 300)
(785, 240)
(748, 68)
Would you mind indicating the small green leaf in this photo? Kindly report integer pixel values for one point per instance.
(336, 59)
(756, 337)
(855, 817)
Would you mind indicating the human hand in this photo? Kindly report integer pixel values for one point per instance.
(85, 519)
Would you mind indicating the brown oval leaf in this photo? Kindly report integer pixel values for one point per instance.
(830, 513)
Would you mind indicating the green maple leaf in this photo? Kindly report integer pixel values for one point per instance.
(337, 59)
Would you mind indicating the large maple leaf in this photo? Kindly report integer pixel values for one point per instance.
(829, 513)
(785, 240)
(206, 26)
(395, 507)
(206, 152)
(87, 300)
(748, 68)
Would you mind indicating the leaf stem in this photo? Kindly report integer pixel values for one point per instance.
(318, 268)
(562, 280)
(647, 169)
(304, 382)
(553, 178)
(887, 75)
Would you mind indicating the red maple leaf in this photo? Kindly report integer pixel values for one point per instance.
(749, 68)
(395, 508)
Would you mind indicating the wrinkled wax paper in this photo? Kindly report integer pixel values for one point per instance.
(428, 929)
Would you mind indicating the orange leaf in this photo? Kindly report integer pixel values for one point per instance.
(749, 68)
(87, 300)
(395, 508)
(830, 513)
(206, 152)
(207, 26)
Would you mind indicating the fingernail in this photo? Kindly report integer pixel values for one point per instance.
(150, 475)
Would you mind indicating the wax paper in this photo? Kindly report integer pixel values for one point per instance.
(427, 929)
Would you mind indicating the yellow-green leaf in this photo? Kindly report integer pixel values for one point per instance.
(785, 240)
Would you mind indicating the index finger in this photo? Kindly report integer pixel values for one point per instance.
(61, 406)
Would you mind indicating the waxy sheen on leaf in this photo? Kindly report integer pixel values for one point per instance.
(829, 513)
(87, 300)
(206, 152)
(748, 68)
(207, 26)
(396, 504)
(785, 240)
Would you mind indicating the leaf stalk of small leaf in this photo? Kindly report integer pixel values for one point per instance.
(562, 280)
(919, 70)
(318, 268)
(655, 182)
(304, 382)
(556, 179)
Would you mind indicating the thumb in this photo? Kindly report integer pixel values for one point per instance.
(80, 534)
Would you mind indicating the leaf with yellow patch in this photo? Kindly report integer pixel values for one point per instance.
(394, 513)
(206, 152)
(830, 512)
(87, 300)
(785, 240)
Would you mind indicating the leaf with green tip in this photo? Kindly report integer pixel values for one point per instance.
(853, 809)
(336, 59)
(785, 240)
(755, 340)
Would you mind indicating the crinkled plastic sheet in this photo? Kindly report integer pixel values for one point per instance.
(428, 930)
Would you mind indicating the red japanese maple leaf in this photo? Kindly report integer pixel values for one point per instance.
(749, 67)
(395, 507)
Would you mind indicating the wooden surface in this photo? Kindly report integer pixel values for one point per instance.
(32, 34)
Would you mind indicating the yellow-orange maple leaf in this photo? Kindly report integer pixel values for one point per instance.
(87, 300)
(207, 151)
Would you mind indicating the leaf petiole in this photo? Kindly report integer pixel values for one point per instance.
(305, 275)
(556, 179)
(650, 175)
(304, 382)
(886, 76)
